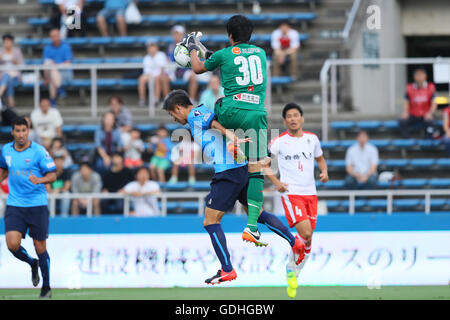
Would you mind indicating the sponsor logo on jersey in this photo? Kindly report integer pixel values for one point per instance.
(207, 116)
(246, 97)
(250, 88)
(197, 113)
(236, 50)
(27, 160)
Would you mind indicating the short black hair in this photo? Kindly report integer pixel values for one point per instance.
(8, 36)
(117, 153)
(240, 28)
(286, 22)
(142, 168)
(19, 121)
(177, 97)
(86, 164)
(420, 68)
(290, 106)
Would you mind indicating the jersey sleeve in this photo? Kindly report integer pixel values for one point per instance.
(317, 148)
(3, 161)
(46, 163)
(214, 61)
(274, 146)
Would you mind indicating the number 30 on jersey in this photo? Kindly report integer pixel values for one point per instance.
(250, 68)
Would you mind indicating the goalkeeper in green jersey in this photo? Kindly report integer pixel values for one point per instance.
(244, 79)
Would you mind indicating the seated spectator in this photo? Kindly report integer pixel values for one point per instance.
(181, 73)
(57, 53)
(143, 192)
(133, 147)
(361, 162)
(67, 9)
(85, 180)
(4, 190)
(10, 78)
(212, 93)
(47, 122)
(184, 155)
(285, 43)
(113, 181)
(61, 185)
(124, 119)
(155, 63)
(57, 149)
(113, 9)
(161, 146)
(446, 128)
(107, 141)
(419, 104)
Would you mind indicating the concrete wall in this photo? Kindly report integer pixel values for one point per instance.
(425, 18)
(370, 87)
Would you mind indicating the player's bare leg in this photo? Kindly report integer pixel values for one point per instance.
(293, 269)
(13, 242)
(213, 227)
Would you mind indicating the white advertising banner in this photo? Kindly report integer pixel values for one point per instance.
(186, 260)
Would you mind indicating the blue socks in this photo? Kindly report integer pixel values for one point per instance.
(219, 243)
(44, 264)
(23, 255)
(273, 223)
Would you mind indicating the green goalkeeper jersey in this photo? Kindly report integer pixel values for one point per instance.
(243, 75)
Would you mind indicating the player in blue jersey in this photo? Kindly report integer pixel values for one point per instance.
(229, 183)
(28, 167)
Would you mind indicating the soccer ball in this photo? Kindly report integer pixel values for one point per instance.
(182, 56)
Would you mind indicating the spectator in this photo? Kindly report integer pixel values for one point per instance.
(124, 119)
(361, 162)
(143, 193)
(47, 122)
(181, 73)
(285, 44)
(10, 78)
(155, 63)
(61, 185)
(212, 93)
(113, 181)
(113, 9)
(67, 9)
(85, 181)
(32, 136)
(107, 141)
(184, 155)
(57, 53)
(134, 147)
(57, 149)
(161, 146)
(446, 128)
(419, 104)
(4, 190)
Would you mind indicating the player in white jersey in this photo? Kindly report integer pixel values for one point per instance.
(296, 150)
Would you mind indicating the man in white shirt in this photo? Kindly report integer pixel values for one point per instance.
(285, 43)
(143, 192)
(296, 150)
(155, 63)
(361, 162)
(47, 122)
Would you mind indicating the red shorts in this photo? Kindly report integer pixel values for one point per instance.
(298, 208)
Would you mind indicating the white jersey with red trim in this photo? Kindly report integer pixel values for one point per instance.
(296, 156)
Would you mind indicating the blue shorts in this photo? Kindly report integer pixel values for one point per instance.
(34, 219)
(227, 187)
(111, 14)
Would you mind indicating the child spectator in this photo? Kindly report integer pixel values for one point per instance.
(61, 185)
(161, 146)
(57, 149)
(184, 155)
(133, 147)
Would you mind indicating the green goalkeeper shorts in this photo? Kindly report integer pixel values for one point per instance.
(246, 123)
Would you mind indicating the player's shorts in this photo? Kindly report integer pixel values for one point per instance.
(33, 219)
(161, 163)
(227, 187)
(235, 118)
(299, 208)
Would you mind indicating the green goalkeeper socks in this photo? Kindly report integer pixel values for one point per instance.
(254, 199)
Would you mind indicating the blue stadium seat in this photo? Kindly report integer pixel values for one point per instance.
(201, 186)
(79, 146)
(5, 129)
(396, 163)
(116, 60)
(38, 21)
(303, 16)
(347, 143)
(146, 127)
(182, 18)
(276, 17)
(136, 59)
(381, 143)
(414, 183)
(333, 204)
(204, 167)
(154, 19)
(358, 204)
(406, 203)
(128, 83)
(173, 126)
(100, 40)
(107, 83)
(404, 143)
(170, 205)
(207, 18)
(189, 205)
(334, 184)
(388, 184)
(368, 125)
(69, 128)
(435, 203)
(281, 80)
(439, 183)
(443, 162)
(377, 203)
(342, 125)
(428, 144)
(390, 124)
(176, 186)
(87, 60)
(329, 145)
(29, 42)
(259, 17)
(422, 163)
(336, 164)
(81, 83)
(79, 41)
(127, 40)
(88, 128)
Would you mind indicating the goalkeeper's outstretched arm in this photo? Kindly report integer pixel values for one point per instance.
(198, 66)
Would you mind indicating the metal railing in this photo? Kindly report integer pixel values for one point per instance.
(93, 70)
(332, 64)
(350, 19)
(200, 197)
